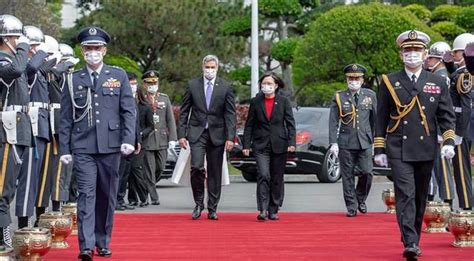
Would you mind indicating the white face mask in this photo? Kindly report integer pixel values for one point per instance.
(134, 88)
(413, 59)
(459, 62)
(152, 89)
(93, 57)
(210, 73)
(354, 85)
(268, 89)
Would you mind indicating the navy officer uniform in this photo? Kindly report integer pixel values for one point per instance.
(412, 104)
(351, 131)
(97, 123)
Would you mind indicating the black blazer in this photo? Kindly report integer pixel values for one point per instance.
(279, 130)
(144, 120)
(220, 117)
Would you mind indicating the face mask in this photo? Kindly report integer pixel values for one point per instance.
(459, 62)
(413, 59)
(134, 88)
(432, 68)
(210, 73)
(152, 89)
(268, 89)
(354, 85)
(93, 57)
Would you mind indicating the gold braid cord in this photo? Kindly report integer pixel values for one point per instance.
(463, 86)
(403, 110)
(341, 115)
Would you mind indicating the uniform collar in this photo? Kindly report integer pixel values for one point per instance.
(417, 74)
(99, 69)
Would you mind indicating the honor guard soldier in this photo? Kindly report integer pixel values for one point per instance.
(461, 87)
(412, 103)
(16, 133)
(351, 132)
(161, 137)
(441, 176)
(97, 123)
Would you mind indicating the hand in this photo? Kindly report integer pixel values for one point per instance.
(448, 57)
(229, 145)
(183, 143)
(73, 60)
(66, 159)
(127, 149)
(138, 149)
(457, 140)
(56, 55)
(469, 57)
(334, 149)
(469, 50)
(291, 148)
(246, 152)
(22, 39)
(440, 139)
(447, 152)
(171, 144)
(381, 160)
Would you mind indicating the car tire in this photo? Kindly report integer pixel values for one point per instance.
(330, 169)
(249, 176)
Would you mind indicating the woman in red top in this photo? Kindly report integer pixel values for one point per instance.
(270, 132)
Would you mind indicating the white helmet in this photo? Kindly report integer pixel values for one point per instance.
(10, 26)
(461, 41)
(51, 43)
(66, 50)
(34, 34)
(438, 49)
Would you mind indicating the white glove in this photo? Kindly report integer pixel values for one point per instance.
(440, 139)
(73, 60)
(334, 149)
(55, 55)
(381, 160)
(23, 39)
(457, 140)
(41, 47)
(127, 149)
(171, 144)
(447, 152)
(66, 159)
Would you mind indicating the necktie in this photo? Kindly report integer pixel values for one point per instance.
(413, 79)
(95, 76)
(208, 94)
(356, 98)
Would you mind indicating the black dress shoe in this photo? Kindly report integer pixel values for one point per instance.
(86, 255)
(363, 208)
(262, 216)
(133, 204)
(120, 208)
(128, 207)
(196, 212)
(212, 215)
(273, 216)
(351, 213)
(104, 252)
(143, 204)
(156, 203)
(411, 252)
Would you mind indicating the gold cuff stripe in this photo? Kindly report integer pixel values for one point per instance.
(449, 134)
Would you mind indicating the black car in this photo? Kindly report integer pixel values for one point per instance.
(312, 154)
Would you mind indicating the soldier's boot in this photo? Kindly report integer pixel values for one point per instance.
(22, 222)
(39, 211)
(3, 246)
(56, 205)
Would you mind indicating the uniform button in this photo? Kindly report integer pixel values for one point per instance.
(422, 122)
(357, 121)
(96, 95)
(421, 137)
(423, 107)
(357, 127)
(405, 122)
(78, 129)
(97, 112)
(97, 121)
(404, 137)
(156, 129)
(111, 89)
(357, 109)
(96, 104)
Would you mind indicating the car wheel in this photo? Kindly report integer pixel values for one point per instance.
(330, 170)
(249, 176)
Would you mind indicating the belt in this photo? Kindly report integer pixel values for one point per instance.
(17, 108)
(55, 106)
(43, 105)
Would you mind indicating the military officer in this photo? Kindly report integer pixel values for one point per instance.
(461, 86)
(411, 104)
(16, 136)
(97, 123)
(161, 137)
(353, 117)
(441, 176)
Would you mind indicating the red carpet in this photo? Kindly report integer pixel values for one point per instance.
(238, 236)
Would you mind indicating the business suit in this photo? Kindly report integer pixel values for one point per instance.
(207, 128)
(354, 122)
(95, 142)
(269, 139)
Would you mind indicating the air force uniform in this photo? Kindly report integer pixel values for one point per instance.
(97, 122)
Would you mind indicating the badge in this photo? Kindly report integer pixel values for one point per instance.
(92, 31)
(161, 105)
(397, 85)
(156, 118)
(432, 99)
(111, 83)
(80, 87)
(431, 88)
(412, 35)
(367, 101)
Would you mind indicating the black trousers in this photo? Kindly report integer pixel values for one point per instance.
(270, 179)
(411, 181)
(462, 174)
(137, 188)
(124, 174)
(214, 156)
(441, 178)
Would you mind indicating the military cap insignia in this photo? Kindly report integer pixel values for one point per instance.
(92, 31)
(152, 74)
(354, 67)
(111, 83)
(412, 35)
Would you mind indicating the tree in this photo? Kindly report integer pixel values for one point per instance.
(445, 13)
(465, 18)
(170, 36)
(448, 30)
(362, 34)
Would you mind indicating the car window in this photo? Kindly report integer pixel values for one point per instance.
(306, 117)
